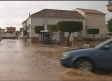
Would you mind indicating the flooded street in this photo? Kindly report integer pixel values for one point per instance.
(21, 60)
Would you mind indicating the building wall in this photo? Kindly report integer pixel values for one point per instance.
(2, 30)
(29, 24)
(41, 22)
(45, 21)
(24, 25)
(95, 21)
(10, 29)
(3, 35)
(8, 34)
(56, 35)
(21, 34)
(35, 22)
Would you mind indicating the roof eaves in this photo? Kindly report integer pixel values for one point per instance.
(91, 12)
(28, 18)
(59, 17)
(95, 13)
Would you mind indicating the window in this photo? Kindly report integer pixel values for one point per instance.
(45, 21)
(45, 27)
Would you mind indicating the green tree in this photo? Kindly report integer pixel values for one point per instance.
(93, 31)
(52, 28)
(110, 25)
(70, 26)
(38, 29)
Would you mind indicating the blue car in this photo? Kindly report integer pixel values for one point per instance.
(89, 58)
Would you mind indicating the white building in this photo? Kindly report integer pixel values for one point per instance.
(51, 16)
(93, 19)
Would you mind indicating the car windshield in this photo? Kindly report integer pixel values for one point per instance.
(99, 45)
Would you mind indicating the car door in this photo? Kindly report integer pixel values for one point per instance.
(105, 57)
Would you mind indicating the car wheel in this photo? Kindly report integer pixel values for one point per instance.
(84, 65)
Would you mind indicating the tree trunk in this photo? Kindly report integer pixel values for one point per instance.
(60, 38)
(68, 39)
(94, 39)
(51, 37)
(25, 38)
(41, 38)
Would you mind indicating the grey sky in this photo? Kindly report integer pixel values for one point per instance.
(12, 13)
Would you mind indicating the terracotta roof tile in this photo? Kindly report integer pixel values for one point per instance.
(91, 11)
(51, 13)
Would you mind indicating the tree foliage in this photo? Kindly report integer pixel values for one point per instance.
(110, 25)
(52, 27)
(38, 29)
(70, 26)
(93, 31)
(25, 32)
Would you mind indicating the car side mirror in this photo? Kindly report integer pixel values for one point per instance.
(107, 47)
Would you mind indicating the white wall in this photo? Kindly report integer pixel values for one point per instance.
(24, 26)
(3, 35)
(9, 35)
(72, 35)
(95, 21)
(21, 34)
(55, 35)
(29, 23)
(40, 22)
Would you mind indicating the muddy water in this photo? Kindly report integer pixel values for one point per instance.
(25, 61)
(21, 60)
(75, 75)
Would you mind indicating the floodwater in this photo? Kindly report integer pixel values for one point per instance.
(21, 60)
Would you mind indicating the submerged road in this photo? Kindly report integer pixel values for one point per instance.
(21, 60)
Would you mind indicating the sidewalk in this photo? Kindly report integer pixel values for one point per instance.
(78, 44)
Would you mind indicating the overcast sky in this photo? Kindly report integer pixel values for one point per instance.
(12, 13)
